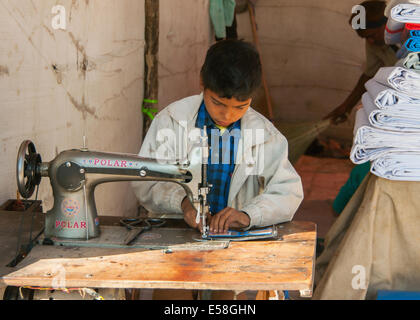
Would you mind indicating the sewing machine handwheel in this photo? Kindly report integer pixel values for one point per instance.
(28, 169)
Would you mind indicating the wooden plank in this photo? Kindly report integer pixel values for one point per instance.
(114, 236)
(256, 265)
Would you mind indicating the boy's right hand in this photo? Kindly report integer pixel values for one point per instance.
(190, 213)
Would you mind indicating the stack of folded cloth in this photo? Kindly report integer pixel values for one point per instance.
(387, 128)
(404, 22)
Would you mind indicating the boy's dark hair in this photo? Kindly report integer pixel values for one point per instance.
(232, 69)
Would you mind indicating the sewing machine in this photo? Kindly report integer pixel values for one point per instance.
(74, 175)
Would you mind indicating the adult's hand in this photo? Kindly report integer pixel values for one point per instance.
(338, 115)
(229, 218)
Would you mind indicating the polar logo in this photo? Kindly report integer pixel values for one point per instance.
(70, 207)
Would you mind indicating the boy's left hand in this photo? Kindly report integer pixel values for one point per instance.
(228, 218)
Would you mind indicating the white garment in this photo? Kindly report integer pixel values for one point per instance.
(406, 12)
(361, 119)
(394, 35)
(400, 79)
(392, 3)
(269, 197)
(371, 143)
(395, 27)
(386, 98)
(387, 119)
(412, 61)
(402, 166)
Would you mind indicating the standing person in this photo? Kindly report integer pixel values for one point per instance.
(378, 55)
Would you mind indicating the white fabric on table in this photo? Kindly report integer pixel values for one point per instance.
(389, 119)
(392, 3)
(402, 166)
(400, 79)
(394, 35)
(406, 13)
(361, 119)
(386, 98)
(371, 143)
(412, 61)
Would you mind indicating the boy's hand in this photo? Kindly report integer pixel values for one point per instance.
(190, 214)
(229, 218)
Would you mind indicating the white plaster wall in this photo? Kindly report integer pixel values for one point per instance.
(312, 57)
(312, 60)
(185, 36)
(56, 108)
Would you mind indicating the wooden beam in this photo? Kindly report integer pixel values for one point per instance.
(151, 85)
(264, 81)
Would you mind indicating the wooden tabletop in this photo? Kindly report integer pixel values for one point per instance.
(285, 264)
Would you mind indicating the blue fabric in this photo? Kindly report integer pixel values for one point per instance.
(397, 295)
(415, 33)
(413, 44)
(222, 156)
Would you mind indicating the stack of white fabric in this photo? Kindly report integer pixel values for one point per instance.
(400, 12)
(387, 128)
(406, 12)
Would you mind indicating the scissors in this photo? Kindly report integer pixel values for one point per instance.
(137, 226)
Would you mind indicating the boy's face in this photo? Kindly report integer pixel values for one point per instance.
(224, 111)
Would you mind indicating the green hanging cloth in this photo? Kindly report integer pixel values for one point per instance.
(222, 13)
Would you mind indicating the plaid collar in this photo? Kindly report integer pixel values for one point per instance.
(221, 161)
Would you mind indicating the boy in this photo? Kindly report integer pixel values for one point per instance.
(240, 197)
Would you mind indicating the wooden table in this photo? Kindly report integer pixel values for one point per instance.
(286, 264)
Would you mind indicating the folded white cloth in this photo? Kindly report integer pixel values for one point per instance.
(401, 166)
(392, 3)
(400, 79)
(412, 61)
(406, 13)
(386, 98)
(361, 119)
(371, 143)
(393, 32)
(402, 121)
